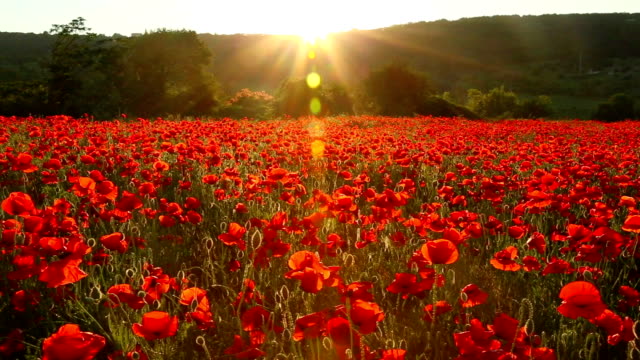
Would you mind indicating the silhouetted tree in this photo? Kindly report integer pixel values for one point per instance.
(165, 74)
(396, 90)
(83, 71)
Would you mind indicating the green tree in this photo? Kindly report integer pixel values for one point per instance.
(396, 90)
(166, 74)
(84, 71)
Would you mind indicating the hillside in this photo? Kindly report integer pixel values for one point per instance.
(581, 57)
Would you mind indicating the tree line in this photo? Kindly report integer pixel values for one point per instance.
(475, 68)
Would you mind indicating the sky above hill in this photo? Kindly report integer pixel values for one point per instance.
(296, 17)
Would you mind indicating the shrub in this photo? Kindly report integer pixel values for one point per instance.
(618, 107)
(250, 104)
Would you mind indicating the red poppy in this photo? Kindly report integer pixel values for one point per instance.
(23, 163)
(310, 326)
(536, 241)
(156, 325)
(62, 272)
(234, 236)
(407, 284)
(241, 350)
(631, 223)
(123, 293)
(115, 242)
(477, 342)
(505, 259)
(581, 299)
(12, 343)
(69, 343)
(471, 295)
(440, 307)
(365, 316)
(393, 354)
(441, 251)
(156, 285)
(342, 336)
(530, 263)
(19, 204)
(313, 275)
(505, 327)
(137, 354)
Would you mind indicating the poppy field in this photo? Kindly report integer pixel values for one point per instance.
(319, 238)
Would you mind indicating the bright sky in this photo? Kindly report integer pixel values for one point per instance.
(300, 17)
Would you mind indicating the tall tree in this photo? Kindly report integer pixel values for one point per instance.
(397, 90)
(166, 74)
(83, 69)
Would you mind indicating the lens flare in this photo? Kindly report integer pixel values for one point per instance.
(313, 80)
(315, 106)
(317, 149)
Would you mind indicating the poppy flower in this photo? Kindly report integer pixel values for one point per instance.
(505, 327)
(505, 259)
(536, 241)
(240, 350)
(530, 263)
(123, 293)
(137, 353)
(19, 204)
(342, 336)
(433, 310)
(115, 242)
(156, 325)
(631, 223)
(313, 275)
(310, 326)
(234, 236)
(69, 343)
(12, 343)
(62, 272)
(393, 354)
(365, 316)
(155, 286)
(441, 251)
(581, 299)
(471, 295)
(407, 284)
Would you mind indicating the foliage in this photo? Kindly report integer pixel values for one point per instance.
(165, 73)
(619, 107)
(84, 71)
(437, 106)
(22, 98)
(500, 103)
(396, 89)
(338, 100)
(294, 96)
(534, 108)
(250, 104)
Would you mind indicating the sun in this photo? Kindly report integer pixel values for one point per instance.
(312, 36)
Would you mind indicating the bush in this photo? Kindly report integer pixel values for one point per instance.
(537, 107)
(251, 104)
(618, 107)
(500, 103)
(437, 106)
